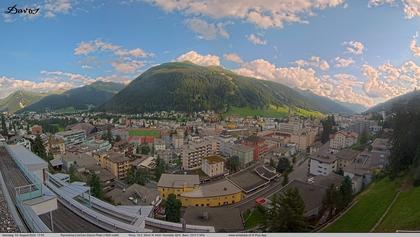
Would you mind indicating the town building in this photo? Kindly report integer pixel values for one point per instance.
(322, 164)
(213, 166)
(244, 153)
(36, 130)
(258, 144)
(193, 154)
(343, 139)
(72, 137)
(177, 184)
(115, 162)
(212, 195)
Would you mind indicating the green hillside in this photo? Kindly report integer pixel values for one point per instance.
(82, 98)
(395, 102)
(188, 87)
(19, 100)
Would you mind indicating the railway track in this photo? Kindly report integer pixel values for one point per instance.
(65, 221)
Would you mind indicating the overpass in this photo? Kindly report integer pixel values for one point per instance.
(44, 202)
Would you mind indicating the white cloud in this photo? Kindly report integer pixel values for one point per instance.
(411, 7)
(387, 81)
(354, 47)
(207, 31)
(204, 60)
(264, 14)
(256, 40)
(128, 67)
(85, 48)
(342, 87)
(233, 57)
(9, 85)
(414, 48)
(54, 7)
(343, 62)
(314, 61)
(123, 60)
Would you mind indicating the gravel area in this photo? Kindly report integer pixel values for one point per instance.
(7, 224)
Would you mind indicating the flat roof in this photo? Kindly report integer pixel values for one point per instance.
(220, 188)
(70, 132)
(26, 157)
(214, 159)
(223, 219)
(117, 157)
(178, 180)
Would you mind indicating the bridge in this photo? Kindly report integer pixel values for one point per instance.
(44, 202)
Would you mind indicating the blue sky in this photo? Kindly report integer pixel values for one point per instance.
(353, 51)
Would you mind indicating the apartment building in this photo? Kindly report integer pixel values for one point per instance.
(114, 162)
(72, 137)
(244, 153)
(343, 139)
(322, 164)
(193, 154)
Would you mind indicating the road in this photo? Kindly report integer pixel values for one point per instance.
(299, 172)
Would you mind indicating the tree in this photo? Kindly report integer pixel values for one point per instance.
(331, 200)
(346, 192)
(285, 213)
(145, 149)
(232, 163)
(38, 148)
(364, 137)
(173, 208)
(285, 179)
(283, 165)
(327, 125)
(108, 135)
(96, 187)
(72, 174)
(139, 176)
(3, 126)
(160, 168)
(272, 163)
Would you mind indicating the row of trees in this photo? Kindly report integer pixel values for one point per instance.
(4, 131)
(405, 152)
(336, 199)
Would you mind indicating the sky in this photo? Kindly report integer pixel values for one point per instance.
(356, 51)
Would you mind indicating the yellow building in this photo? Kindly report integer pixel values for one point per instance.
(116, 163)
(177, 184)
(212, 195)
(188, 190)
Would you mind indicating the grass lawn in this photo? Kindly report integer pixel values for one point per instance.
(253, 219)
(144, 133)
(60, 129)
(272, 111)
(404, 214)
(367, 211)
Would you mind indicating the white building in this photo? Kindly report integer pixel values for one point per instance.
(213, 166)
(322, 164)
(72, 137)
(194, 153)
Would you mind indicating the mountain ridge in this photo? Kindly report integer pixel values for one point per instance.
(187, 87)
(80, 98)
